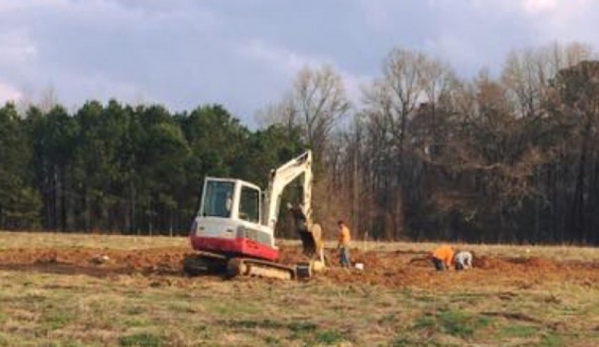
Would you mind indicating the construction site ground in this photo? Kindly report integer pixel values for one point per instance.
(116, 290)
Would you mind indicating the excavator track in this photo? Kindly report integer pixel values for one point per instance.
(212, 263)
(261, 268)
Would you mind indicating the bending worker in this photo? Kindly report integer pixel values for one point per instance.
(442, 257)
(463, 260)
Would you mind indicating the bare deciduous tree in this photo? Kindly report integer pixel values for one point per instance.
(526, 73)
(320, 100)
(316, 102)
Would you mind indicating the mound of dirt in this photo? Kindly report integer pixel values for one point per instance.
(389, 269)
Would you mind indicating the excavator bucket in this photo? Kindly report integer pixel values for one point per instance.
(313, 247)
(309, 242)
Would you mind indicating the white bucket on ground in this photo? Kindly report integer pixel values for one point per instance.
(359, 266)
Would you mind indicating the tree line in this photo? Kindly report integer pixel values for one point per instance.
(422, 155)
(121, 168)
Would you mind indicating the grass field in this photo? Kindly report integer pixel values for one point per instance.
(53, 295)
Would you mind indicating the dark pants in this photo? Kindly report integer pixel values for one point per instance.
(439, 265)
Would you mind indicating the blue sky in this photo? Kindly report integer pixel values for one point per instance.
(245, 53)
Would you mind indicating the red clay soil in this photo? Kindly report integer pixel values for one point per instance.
(96, 262)
(390, 269)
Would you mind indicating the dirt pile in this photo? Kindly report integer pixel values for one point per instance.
(390, 269)
(414, 269)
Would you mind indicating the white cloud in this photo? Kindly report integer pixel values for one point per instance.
(378, 13)
(7, 6)
(186, 52)
(8, 93)
(452, 48)
(288, 63)
(281, 59)
(537, 6)
(16, 47)
(98, 86)
(572, 20)
(97, 49)
(541, 9)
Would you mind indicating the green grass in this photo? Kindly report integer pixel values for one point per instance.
(451, 322)
(142, 340)
(57, 319)
(458, 323)
(425, 322)
(552, 340)
(301, 330)
(329, 337)
(252, 324)
(518, 330)
(104, 313)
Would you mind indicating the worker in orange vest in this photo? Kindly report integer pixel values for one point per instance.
(442, 257)
(343, 245)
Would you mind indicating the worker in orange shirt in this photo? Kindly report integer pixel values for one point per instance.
(442, 257)
(343, 245)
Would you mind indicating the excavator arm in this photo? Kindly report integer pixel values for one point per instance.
(309, 233)
(283, 176)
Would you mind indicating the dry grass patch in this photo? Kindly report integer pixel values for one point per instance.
(40, 308)
(532, 298)
(27, 240)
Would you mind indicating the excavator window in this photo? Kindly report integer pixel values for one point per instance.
(218, 200)
(249, 205)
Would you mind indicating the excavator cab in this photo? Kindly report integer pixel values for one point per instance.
(228, 221)
(232, 199)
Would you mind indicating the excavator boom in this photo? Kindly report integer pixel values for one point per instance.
(280, 178)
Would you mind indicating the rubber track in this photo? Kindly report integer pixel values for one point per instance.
(269, 264)
(250, 262)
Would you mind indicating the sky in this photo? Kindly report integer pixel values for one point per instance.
(244, 54)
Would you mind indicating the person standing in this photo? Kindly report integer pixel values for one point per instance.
(343, 245)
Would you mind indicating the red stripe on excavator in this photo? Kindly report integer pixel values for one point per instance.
(239, 245)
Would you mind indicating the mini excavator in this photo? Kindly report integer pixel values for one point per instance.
(233, 231)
